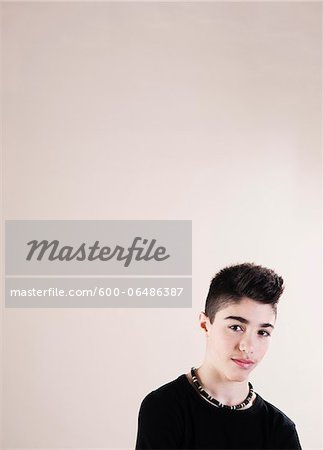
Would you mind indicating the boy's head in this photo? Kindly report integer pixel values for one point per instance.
(233, 283)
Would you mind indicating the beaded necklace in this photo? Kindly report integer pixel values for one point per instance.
(215, 402)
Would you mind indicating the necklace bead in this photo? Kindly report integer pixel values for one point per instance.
(215, 402)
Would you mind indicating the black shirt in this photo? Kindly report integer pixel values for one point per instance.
(175, 416)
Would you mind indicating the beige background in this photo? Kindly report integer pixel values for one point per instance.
(202, 111)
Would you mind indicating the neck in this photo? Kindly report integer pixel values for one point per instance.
(224, 390)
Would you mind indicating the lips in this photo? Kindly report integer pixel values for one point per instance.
(243, 363)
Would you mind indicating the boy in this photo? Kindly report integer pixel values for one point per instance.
(214, 406)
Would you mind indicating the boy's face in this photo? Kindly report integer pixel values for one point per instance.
(238, 338)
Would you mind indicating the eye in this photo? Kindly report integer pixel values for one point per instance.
(234, 328)
(264, 333)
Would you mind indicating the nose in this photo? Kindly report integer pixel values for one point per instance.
(246, 344)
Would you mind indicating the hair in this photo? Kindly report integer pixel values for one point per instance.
(233, 283)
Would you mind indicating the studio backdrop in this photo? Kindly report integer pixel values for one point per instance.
(201, 115)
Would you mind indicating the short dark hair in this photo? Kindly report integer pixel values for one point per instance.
(233, 283)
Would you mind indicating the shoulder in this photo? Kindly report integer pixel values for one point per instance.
(160, 420)
(278, 417)
(284, 433)
(168, 392)
(169, 396)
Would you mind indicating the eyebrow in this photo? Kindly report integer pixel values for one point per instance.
(242, 320)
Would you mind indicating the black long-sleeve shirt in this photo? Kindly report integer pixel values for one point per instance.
(176, 417)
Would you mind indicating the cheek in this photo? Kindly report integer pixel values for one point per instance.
(224, 341)
(262, 348)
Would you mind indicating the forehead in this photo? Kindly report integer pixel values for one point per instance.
(248, 309)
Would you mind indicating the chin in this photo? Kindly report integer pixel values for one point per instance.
(238, 378)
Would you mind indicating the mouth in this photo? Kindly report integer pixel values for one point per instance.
(243, 363)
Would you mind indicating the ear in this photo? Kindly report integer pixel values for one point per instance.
(204, 323)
